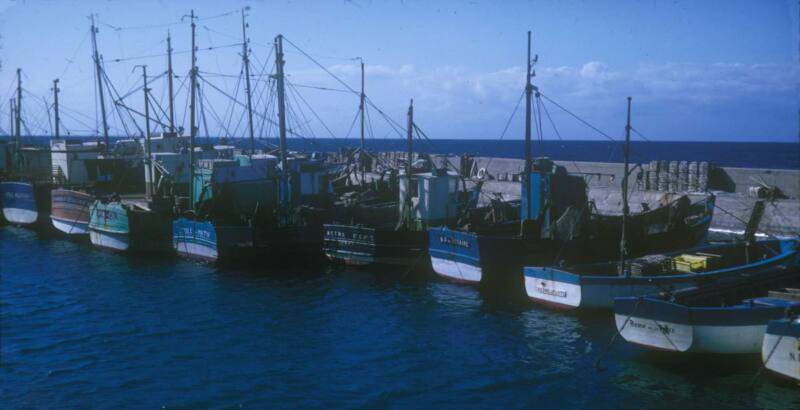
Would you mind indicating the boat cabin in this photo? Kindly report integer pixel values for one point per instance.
(434, 197)
(549, 193)
(69, 161)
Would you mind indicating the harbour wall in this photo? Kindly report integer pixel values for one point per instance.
(732, 186)
(735, 199)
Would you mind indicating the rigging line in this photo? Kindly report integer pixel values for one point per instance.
(142, 27)
(399, 129)
(639, 134)
(242, 105)
(237, 88)
(160, 108)
(322, 88)
(70, 61)
(139, 113)
(584, 122)
(297, 93)
(111, 88)
(345, 85)
(293, 113)
(123, 59)
(213, 113)
(369, 123)
(558, 134)
(321, 66)
(508, 124)
(68, 115)
(203, 111)
(352, 125)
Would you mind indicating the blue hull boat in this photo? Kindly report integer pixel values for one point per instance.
(727, 317)
(209, 242)
(597, 285)
(780, 350)
(26, 203)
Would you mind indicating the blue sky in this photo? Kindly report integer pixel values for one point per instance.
(697, 70)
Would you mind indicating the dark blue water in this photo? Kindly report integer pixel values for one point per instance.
(82, 328)
(767, 155)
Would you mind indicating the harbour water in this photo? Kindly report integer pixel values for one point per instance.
(84, 328)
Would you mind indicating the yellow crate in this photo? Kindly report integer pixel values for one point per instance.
(693, 263)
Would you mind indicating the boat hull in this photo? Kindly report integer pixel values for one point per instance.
(115, 227)
(209, 242)
(492, 261)
(663, 325)
(571, 290)
(780, 350)
(356, 245)
(25, 203)
(70, 211)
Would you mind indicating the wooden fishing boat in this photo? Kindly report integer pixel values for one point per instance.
(400, 236)
(596, 285)
(26, 203)
(70, 211)
(129, 227)
(728, 316)
(780, 350)
(558, 226)
(229, 195)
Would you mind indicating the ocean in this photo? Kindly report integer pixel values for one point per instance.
(83, 328)
(768, 155)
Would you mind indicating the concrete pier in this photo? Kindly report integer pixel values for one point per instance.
(732, 187)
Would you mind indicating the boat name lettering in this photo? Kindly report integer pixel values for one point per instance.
(18, 195)
(661, 328)
(552, 292)
(449, 240)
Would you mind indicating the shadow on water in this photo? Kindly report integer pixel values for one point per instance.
(297, 334)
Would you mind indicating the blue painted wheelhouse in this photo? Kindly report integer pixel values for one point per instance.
(227, 195)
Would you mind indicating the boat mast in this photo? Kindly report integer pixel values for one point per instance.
(625, 209)
(281, 115)
(246, 62)
(11, 113)
(528, 159)
(149, 161)
(361, 109)
(18, 113)
(55, 107)
(99, 72)
(192, 102)
(169, 84)
(409, 153)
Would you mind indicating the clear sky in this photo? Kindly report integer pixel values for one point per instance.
(697, 70)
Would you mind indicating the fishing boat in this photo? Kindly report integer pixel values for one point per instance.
(596, 285)
(129, 226)
(26, 190)
(25, 203)
(292, 232)
(229, 194)
(780, 350)
(728, 316)
(71, 196)
(559, 226)
(400, 238)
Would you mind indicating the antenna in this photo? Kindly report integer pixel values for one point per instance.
(169, 84)
(528, 155)
(281, 115)
(148, 152)
(246, 62)
(99, 72)
(192, 110)
(55, 107)
(625, 209)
